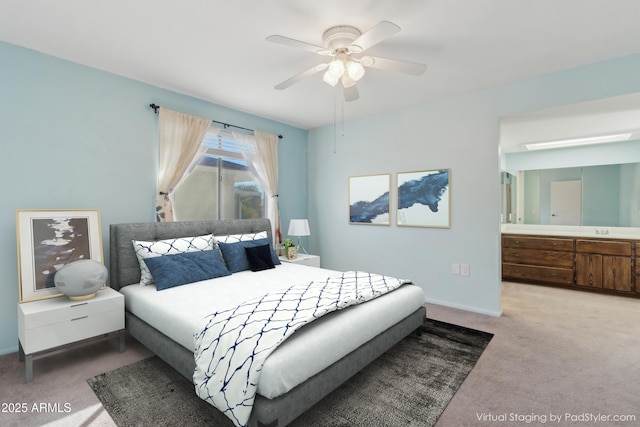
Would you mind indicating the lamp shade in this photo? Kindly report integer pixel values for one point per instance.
(299, 227)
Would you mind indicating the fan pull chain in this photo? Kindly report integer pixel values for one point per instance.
(342, 118)
(334, 121)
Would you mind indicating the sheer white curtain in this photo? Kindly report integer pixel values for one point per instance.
(260, 150)
(179, 147)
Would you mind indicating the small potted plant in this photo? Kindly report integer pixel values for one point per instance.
(289, 248)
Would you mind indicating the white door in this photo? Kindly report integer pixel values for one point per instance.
(566, 203)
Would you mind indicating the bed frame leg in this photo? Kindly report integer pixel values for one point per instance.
(418, 332)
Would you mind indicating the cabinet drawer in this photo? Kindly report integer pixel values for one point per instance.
(603, 247)
(540, 243)
(46, 337)
(537, 257)
(538, 274)
(312, 262)
(57, 310)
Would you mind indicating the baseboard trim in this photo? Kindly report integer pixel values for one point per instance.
(464, 307)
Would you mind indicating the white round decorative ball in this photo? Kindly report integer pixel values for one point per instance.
(81, 279)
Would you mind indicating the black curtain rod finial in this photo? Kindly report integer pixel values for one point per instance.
(155, 107)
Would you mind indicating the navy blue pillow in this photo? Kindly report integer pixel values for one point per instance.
(173, 270)
(236, 258)
(259, 257)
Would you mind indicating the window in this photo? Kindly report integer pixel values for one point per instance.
(220, 186)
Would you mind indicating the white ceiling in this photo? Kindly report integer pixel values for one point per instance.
(216, 49)
(607, 116)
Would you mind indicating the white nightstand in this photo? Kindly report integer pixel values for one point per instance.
(304, 259)
(46, 325)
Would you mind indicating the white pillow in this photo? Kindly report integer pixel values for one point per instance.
(167, 247)
(234, 238)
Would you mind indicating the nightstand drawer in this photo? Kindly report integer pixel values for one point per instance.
(72, 330)
(55, 310)
(310, 261)
(304, 259)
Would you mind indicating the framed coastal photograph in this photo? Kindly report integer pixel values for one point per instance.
(424, 198)
(49, 239)
(369, 201)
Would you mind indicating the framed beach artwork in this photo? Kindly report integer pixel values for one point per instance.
(369, 201)
(424, 198)
(49, 239)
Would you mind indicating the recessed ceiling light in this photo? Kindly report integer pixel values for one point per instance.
(577, 141)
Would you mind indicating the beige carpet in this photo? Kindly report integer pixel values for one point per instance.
(554, 351)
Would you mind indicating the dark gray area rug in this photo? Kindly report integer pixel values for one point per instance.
(409, 385)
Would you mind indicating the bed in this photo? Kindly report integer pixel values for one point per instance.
(284, 397)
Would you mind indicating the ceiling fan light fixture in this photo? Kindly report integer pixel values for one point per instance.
(347, 81)
(355, 70)
(330, 79)
(336, 68)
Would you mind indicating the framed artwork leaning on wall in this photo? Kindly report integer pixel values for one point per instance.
(49, 239)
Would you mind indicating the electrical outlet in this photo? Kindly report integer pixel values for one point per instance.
(455, 268)
(464, 269)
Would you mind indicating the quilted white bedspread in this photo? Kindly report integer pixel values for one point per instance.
(232, 344)
(176, 313)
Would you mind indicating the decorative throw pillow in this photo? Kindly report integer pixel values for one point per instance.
(259, 257)
(236, 258)
(158, 248)
(179, 269)
(235, 238)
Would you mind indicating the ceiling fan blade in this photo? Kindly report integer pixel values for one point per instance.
(413, 68)
(379, 32)
(301, 76)
(351, 93)
(286, 41)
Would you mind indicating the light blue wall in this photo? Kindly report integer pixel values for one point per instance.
(74, 137)
(461, 134)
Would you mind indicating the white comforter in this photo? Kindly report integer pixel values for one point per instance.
(176, 313)
(232, 344)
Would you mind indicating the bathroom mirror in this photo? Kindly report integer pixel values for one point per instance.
(598, 196)
(600, 182)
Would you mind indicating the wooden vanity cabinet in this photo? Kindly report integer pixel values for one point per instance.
(608, 265)
(636, 278)
(604, 264)
(538, 259)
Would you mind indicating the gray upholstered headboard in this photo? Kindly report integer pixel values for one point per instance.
(124, 267)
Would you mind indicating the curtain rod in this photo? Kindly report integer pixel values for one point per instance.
(226, 125)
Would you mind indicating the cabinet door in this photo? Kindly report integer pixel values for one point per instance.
(616, 273)
(589, 270)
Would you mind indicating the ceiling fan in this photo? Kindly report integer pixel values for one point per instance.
(345, 46)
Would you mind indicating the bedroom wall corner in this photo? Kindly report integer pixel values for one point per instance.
(75, 137)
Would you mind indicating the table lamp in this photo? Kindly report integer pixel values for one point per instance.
(299, 227)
